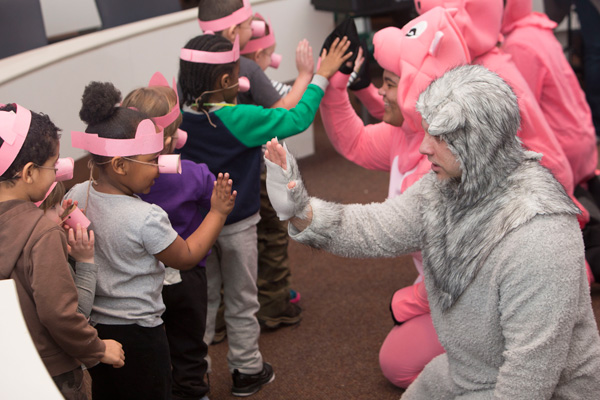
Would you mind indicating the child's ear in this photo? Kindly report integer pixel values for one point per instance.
(168, 142)
(257, 54)
(118, 165)
(27, 172)
(225, 81)
(231, 32)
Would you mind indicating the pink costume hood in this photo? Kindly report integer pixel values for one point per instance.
(520, 13)
(478, 20)
(423, 50)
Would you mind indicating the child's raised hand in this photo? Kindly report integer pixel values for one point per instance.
(332, 60)
(223, 199)
(81, 244)
(305, 62)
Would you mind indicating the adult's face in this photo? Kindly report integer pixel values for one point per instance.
(443, 162)
(389, 90)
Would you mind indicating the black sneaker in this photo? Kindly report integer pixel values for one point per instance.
(247, 385)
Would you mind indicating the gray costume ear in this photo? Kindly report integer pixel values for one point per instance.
(449, 118)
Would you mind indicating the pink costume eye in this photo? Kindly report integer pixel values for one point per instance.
(417, 30)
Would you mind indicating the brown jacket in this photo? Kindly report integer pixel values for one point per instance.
(33, 252)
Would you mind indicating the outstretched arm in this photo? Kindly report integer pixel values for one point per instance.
(186, 254)
(305, 65)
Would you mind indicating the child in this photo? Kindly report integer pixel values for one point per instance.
(34, 253)
(277, 308)
(231, 18)
(224, 134)
(186, 198)
(80, 246)
(132, 236)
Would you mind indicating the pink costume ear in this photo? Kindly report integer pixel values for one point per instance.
(146, 141)
(13, 130)
(164, 121)
(65, 168)
(207, 57)
(235, 18)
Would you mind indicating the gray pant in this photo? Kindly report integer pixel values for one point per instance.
(233, 263)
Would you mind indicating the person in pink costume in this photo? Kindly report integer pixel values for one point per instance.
(530, 40)
(412, 57)
(480, 22)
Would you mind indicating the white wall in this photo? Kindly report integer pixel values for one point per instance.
(51, 79)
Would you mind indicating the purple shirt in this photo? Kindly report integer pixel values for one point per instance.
(185, 197)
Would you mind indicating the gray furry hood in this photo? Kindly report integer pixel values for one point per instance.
(501, 188)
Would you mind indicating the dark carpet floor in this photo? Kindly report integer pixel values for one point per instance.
(333, 353)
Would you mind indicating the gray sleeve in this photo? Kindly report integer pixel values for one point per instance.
(261, 91)
(157, 234)
(85, 281)
(541, 287)
(386, 229)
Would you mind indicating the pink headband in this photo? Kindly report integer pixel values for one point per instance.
(208, 57)
(146, 141)
(13, 130)
(260, 43)
(235, 18)
(159, 80)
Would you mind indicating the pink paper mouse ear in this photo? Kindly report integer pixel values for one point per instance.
(208, 57)
(13, 130)
(164, 121)
(260, 43)
(235, 18)
(146, 141)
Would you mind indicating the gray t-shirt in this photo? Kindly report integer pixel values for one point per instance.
(128, 233)
(262, 92)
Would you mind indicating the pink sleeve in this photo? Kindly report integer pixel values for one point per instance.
(371, 99)
(368, 146)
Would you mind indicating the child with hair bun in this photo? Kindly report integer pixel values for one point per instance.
(186, 198)
(225, 135)
(34, 253)
(133, 238)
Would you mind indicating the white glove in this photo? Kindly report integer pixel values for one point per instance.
(287, 202)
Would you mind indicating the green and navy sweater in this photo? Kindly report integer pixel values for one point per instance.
(234, 146)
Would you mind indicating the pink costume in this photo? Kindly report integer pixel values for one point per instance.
(530, 40)
(480, 22)
(422, 51)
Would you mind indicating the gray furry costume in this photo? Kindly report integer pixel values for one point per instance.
(502, 249)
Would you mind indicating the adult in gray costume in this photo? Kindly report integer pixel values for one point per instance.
(502, 250)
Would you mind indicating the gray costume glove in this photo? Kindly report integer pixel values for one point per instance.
(287, 202)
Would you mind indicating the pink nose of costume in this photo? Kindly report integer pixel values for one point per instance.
(244, 84)
(181, 139)
(258, 28)
(275, 60)
(169, 164)
(65, 169)
(77, 217)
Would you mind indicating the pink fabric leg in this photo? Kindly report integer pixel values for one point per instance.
(407, 349)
